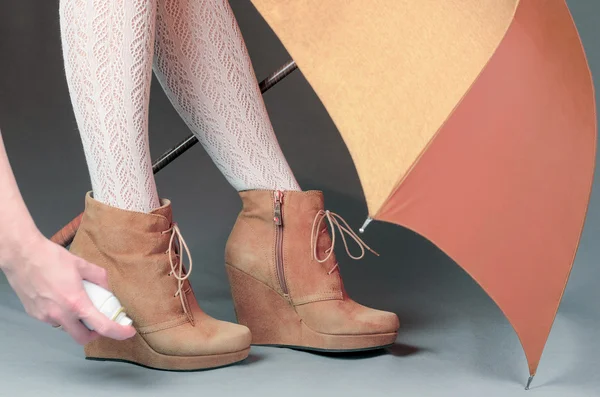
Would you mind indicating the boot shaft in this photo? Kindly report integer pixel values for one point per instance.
(132, 247)
(271, 241)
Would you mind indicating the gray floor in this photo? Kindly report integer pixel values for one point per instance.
(454, 340)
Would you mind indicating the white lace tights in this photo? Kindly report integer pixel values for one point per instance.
(202, 63)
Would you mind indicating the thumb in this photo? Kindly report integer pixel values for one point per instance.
(93, 273)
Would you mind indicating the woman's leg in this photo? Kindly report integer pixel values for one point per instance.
(280, 259)
(108, 48)
(203, 64)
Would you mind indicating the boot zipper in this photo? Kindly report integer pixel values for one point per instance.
(278, 219)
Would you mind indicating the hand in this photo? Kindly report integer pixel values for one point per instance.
(48, 280)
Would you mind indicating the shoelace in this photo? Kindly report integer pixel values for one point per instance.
(177, 268)
(343, 227)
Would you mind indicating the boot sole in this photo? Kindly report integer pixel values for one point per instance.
(116, 360)
(273, 321)
(333, 351)
(136, 351)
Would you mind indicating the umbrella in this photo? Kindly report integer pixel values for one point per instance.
(471, 122)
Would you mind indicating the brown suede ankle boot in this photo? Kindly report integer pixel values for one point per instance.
(143, 256)
(285, 281)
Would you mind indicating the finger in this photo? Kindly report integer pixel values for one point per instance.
(78, 331)
(93, 273)
(102, 324)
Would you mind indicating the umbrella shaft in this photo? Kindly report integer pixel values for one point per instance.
(278, 75)
(173, 153)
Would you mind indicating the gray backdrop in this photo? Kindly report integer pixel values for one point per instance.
(454, 340)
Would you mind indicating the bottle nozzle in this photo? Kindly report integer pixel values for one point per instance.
(122, 318)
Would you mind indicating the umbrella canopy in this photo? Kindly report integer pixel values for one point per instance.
(471, 122)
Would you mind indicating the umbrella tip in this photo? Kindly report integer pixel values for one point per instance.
(529, 382)
(364, 226)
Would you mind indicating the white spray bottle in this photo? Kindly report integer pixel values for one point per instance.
(106, 303)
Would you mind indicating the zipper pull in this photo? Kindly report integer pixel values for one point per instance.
(278, 201)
